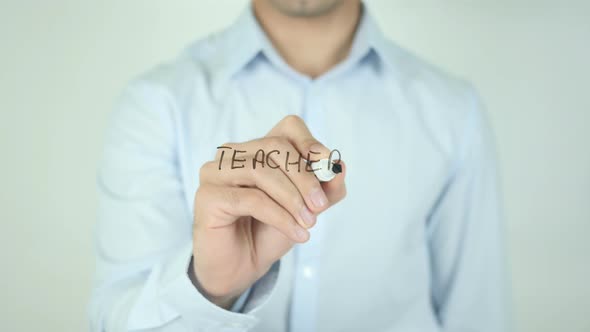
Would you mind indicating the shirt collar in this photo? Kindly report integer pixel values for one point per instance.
(368, 38)
(245, 39)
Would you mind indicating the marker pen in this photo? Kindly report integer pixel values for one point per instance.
(325, 170)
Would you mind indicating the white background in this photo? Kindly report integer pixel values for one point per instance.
(63, 62)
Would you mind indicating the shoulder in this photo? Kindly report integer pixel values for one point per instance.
(161, 96)
(447, 106)
(418, 78)
(192, 71)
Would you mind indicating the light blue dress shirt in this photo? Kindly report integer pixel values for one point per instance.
(415, 246)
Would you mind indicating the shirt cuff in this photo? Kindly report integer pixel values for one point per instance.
(262, 289)
(169, 294)
(238, 306)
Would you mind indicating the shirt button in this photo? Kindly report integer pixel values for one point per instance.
(308, 272)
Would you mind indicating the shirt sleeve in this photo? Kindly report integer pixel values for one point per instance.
(143, 235)
(468, 262)
(258, 293)
(239, 304)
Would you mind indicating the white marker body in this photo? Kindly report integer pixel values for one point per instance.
(322, 170)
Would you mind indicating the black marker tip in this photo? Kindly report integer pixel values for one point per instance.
(337, 168)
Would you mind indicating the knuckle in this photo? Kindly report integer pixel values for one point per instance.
(292, 119)
(204, 171)
(206, 192)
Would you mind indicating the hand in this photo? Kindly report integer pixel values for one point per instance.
(246, 219)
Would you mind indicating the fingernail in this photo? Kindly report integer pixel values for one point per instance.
(318, 198)
(307, 216)
(301, 233)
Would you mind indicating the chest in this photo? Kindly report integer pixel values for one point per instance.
(395, 173)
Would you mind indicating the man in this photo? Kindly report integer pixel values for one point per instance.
(197, 234)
